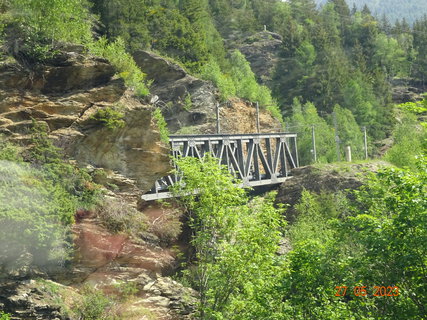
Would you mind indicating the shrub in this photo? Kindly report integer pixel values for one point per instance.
(188, 104)
(4, 316)
(115, 52)
(95, 305)
(235, 241)
(409, 140)
(117, 216)
(162, 125)
(211, 71)
(43, 23)
(240, 82)
(126, 289)
(112, 118)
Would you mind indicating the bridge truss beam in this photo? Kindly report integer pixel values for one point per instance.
(255, 159)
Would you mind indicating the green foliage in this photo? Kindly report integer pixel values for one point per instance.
(9, 151)
(188, 104)
(235, 243)
(4, 316)
(245, 82)
(112, 118)
(56, 20)
(349, 133)
(41, 23)
(162, 125)
(393, 237)
(377, 240)
(410, 140)
(127, 289)
(38, 201)
(240, 81)
(301, 122)
(418, 108)
(211, 71)
(115, 52)
(95, 305)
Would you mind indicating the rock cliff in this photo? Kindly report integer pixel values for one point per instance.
(65, 94)
(262, 51)
(189, 103)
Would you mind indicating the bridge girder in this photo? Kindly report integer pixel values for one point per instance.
(255, 159)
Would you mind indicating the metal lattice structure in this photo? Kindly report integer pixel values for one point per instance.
(255, 159)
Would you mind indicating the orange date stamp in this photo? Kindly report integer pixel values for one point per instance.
(362, 291)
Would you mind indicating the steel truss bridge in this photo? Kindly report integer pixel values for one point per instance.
(255, 159)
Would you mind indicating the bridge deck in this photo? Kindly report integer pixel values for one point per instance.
(255, 159)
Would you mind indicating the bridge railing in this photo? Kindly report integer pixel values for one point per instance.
(255, 159)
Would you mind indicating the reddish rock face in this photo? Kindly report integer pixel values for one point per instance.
(97, 248)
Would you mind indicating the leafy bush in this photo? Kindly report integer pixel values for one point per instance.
(162, 125)
(188, 104)
(303, 118)
(377, 240)
(240, 82)
(115, 52)
(4, 316)
(95, 305)
(41, 24)
(211, 71)
(112, 118)
(410, 139)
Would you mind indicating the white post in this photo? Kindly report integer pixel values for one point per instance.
(348, 153)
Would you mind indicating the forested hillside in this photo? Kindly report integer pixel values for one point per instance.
(82, 136)
(409, 10)
(329, 57)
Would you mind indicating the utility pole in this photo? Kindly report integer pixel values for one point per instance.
(257, 118)
(218, 127)
(337, 138)
(366, 143)
(313, 139)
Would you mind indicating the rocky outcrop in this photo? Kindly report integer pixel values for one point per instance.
(407, 90)
(328, 177)
(189, 104)
(35, 299)
(262, 51)
(64, 94)
(186, 100)
(105, 260)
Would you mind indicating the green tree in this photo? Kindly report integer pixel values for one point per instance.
(392, 237)
(303, 119)
(235, 242)
(349, 133)
(40, 23)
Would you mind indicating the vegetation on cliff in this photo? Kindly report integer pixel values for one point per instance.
(40, 194)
